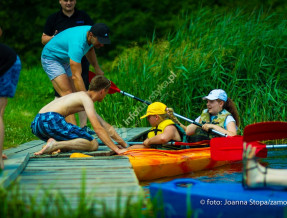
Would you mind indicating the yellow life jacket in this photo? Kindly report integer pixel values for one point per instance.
(218, 119)
(160, 128)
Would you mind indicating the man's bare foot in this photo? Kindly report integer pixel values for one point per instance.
(48, 148)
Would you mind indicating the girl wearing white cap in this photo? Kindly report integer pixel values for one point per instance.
(221, 115)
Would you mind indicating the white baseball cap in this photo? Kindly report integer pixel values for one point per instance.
(216, 94)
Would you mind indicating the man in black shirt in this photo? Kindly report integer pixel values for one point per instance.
(68, 16)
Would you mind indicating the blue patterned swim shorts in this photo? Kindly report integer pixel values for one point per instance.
(53, 125)
(9, 80)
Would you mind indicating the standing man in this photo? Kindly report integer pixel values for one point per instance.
(68, 16)
(61, 57)
(10, 66)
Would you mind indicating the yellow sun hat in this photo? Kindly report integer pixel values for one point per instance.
(155, 108)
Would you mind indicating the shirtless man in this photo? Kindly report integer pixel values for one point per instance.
(50, 125)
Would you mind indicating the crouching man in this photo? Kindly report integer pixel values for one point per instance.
(50, 125)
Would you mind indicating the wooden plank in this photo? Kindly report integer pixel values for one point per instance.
(79, 164)
(57, 184)
(105, 175)
(26, 147)
(129, 134)
(105, 191)
(79, 161)
(136, 133)
(97, 172)
(102, 151)
(113, 157)
(13, 167)
(72, 179)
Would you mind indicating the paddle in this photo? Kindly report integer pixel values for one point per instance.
(114, 89)
(231, 148)
(265, 131)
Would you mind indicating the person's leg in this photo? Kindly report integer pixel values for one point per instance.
(82, 115)
(63, 86)
(260, 176)
(53, 128)
(85, 71)
(276, 177)
(85, 75)
(8, 85)
(3, 103)
(75, 144)
(59, 75)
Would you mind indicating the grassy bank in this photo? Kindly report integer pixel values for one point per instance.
(243, 53)
(51, 204)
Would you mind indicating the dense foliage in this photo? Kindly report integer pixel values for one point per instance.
(244, 53)
(131, 21)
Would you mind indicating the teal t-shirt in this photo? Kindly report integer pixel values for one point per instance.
(69, 44)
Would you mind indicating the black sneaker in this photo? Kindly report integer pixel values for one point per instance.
(89, 130)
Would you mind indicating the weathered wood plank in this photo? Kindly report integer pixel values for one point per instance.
(105, 191)
(77, 164)
(105, 175)
(57, 184)
(26, 147)
(13, 167)
(98, 172)
(72, 179)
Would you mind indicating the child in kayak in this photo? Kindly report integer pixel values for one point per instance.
(221, 115)
(257, 176)
(163, 129)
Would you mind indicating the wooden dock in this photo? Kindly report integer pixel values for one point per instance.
(103, 178)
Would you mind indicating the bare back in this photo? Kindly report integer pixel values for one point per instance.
(69, 104)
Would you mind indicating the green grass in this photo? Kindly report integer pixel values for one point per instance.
(34, 90)
(16, 203)
(244, 53)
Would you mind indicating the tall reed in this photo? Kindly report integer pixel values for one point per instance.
(244, 53)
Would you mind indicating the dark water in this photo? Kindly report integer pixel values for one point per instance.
(232, 172)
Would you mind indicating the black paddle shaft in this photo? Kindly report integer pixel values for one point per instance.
(175, 114)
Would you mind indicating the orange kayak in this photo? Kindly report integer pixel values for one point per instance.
(150, 164)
